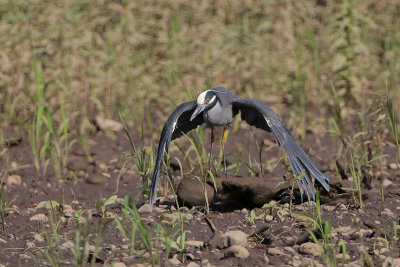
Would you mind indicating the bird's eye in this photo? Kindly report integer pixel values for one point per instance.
(208, 101)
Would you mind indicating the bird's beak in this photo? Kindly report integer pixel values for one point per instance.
(197, 111)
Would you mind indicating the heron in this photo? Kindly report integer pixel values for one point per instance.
(218, 107)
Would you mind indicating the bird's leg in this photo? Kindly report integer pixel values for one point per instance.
(223, 150)
(211, 148)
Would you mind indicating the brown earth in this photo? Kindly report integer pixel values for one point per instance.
(275, 227)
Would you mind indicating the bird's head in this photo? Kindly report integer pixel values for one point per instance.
(205, 101)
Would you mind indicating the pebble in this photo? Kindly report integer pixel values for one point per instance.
(309, 248)
(24, 257)
(394, 166)
(192, 264)
(389, 261)
(388, 213)
(39, 218)
(289, 250)
(96, 179)
(119, 264)
(13, 180)
(268, 218)
(386, 182)
(174, 261)
(235, 238)
(194, 243)
(237, 251)
(108, 124)
(276, 252)
(30, 244)
(342, 229)
(339, 257)
(145, 208)
(67, 245)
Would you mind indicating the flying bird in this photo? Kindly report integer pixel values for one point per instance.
(218, 107)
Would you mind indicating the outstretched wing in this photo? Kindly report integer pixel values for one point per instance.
(177, 124)
(258, 114)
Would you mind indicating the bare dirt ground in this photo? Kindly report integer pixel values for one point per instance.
(276, 234)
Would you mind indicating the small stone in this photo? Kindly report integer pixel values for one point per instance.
(13, 180)
(311, 262)
(175, 261)
(268, 218)
(119, 264)
(388, 213)
(276, 252)
(386, 182)
(235, 238)
(389, 261)
(81, 220)
(39, 218)
(108, 124)
(339, 257)
(194, 243)
(67, 245)
(342, 229)
(78, 164)
(24, 257)
(289, 250)
(237, 251)
(394, 166)
(145, 208)
(310, 248)
(96, 179)
(30, 245)
(192, 264)
(266, 259)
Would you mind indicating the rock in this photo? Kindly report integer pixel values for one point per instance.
(96, 179)
(386, 182)
(119, 264)
(275, 252)
(107, 124)
(310, 248)
(268, 218)
(13, 180)
(78, 164)
(389, 261)
(394, 166)
(237, 251)
(311, 262)
(235, 238)
(339, 257)
(251, 191)
(194, 243)
(289, 250)
(388, 213)
(175, 261)
(30, 245)
(145, 208)
(39, 218)
(192, 264)
(67, 245)
(191, 192)
(342, 229)
(24, 257)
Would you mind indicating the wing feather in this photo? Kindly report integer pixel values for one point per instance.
(258, 114)
(177, 124)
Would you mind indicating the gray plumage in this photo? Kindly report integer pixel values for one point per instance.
(219, 107)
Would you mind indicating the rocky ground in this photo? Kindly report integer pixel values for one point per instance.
(238, 230)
